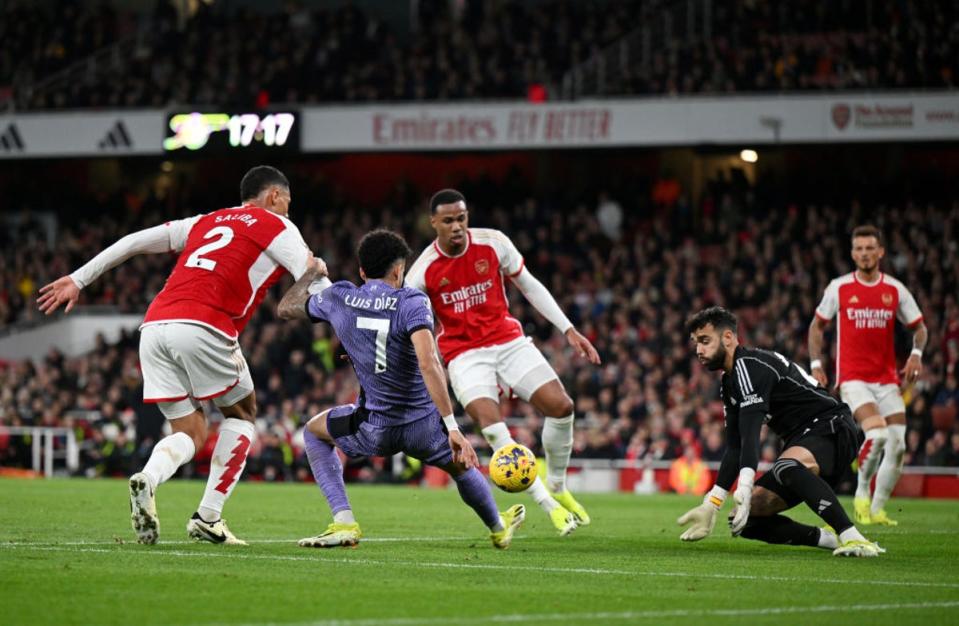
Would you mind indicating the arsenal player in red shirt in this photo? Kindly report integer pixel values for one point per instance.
(867, 303)
(228, 259)
(464, 273)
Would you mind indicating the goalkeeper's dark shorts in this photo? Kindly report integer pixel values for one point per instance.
(833, 440)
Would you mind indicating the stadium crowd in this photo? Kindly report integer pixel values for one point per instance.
(237, 56)
(626, 268)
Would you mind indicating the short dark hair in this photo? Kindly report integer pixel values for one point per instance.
(867, 230)
(445, 196)
(719, 317)
(379, 250)
(258, 179)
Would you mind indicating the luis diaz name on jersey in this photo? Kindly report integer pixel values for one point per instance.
(870, 318)
(467, 297)
(380, 303)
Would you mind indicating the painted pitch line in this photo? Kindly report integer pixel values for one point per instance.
(250, 541)
(231, 553)
(623, 615)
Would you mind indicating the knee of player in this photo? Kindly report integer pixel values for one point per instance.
(198, 435)
(562, 407)
(762, 502)
(317, 425)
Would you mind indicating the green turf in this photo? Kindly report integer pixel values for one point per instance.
(66, 557)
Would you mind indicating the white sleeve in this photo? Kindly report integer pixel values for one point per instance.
(542, 300)
(416, 276)
(289, 250)
(510, 260)
(908, 311)
(180, 231)
(164, 238)
(829, 306)
(319, 286)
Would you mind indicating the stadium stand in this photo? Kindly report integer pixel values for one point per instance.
(623, 274)
(99, 56)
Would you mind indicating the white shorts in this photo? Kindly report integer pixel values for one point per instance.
(516, 367)
(184, 363)
(856, 393)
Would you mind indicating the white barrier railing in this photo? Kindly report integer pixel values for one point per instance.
(43, 451)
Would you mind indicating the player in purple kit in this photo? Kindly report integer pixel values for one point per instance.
(387, 331)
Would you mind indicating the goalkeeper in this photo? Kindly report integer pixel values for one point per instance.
(819, 435)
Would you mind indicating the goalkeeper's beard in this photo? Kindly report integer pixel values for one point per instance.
(718, 360)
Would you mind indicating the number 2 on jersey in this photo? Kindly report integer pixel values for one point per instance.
(196, 259)
(382, 328)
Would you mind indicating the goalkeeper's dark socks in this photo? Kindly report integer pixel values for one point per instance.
(813, 490)
(781, 530)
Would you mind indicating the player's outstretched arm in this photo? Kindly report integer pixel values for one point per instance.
(435, 380)
(544, 302)
(293, 304)
(815, 338)
(66, 289)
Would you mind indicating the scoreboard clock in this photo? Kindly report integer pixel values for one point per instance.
(232, 132)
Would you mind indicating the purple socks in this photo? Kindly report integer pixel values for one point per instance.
(475, 492)
(327, 471)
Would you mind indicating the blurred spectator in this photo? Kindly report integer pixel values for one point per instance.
(255, 54)
(649, 401)
(688, 474)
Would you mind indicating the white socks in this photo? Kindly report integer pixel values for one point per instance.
(229, 459)
(168, 455)
(827, 540)
(344, 517)
(498, 436)
(850, 534)
(891, 467)
(558, 444)
(869, 455)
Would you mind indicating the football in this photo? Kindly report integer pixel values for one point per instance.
(513, 468)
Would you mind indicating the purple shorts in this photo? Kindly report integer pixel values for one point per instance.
(425, 439)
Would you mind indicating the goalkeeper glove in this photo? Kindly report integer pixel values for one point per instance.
(702, 517)
(743, 498)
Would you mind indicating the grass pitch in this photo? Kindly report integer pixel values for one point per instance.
(68, 556)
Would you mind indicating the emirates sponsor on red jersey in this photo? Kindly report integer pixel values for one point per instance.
(229, 259)
(867, 314)
(468, 291)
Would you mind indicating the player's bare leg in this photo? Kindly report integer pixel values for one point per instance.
(235, 437)
(555, 404)
(890, 468)
(874, 426)
(328, 473)
(485, 412)
(189, 434)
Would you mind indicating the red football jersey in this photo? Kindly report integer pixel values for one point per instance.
(229, 259)
(468, 292)
(866, 327)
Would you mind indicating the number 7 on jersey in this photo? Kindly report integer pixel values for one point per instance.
(382, 328)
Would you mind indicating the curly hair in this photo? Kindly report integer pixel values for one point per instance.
(379, 250)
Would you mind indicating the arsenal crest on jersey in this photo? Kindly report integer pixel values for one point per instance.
(482, 266)
(887, 299)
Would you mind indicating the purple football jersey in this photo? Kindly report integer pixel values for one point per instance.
(374, 323)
